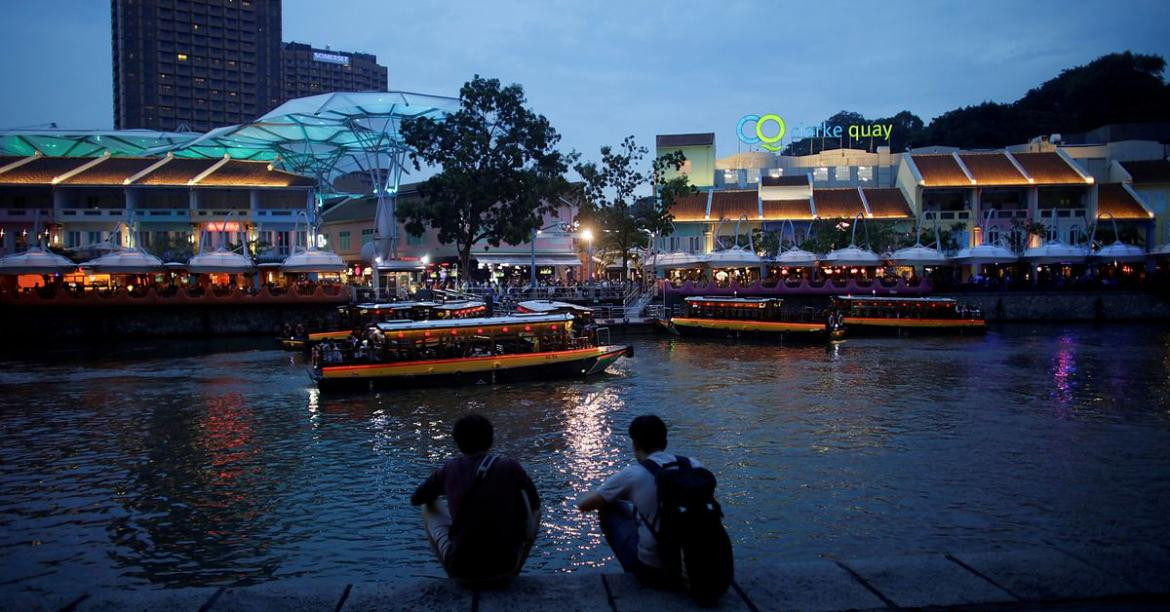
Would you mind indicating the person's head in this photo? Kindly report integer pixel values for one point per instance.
(648, 433)
(473, 434)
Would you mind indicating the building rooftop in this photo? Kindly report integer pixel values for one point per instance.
(732, 205)
(1049, 169)
(833, 203)
(992, 169)
(940, 171)
(691, 207)
(1114, 199)
(887, 203)
(1150, 171)
(783, 210)
(117, 171)
(684, 140)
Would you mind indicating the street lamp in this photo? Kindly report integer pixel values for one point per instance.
(587, 236)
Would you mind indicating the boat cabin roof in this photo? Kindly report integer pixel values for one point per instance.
(735, 300)
(895, 300)
(551, 306)
(482, 322)
(394, 305)
(459, 305)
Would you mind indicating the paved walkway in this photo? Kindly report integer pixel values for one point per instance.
(1132, 577)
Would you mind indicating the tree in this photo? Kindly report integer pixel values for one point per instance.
(626, 222)
(500, 170)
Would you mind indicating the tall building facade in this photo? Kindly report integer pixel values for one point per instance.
(309, 71)
(197, 64)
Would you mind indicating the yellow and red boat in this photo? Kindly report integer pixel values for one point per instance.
(902, 315)
(463, 351)
(357, 316)
(749, 317)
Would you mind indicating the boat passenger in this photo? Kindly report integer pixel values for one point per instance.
(485, 528)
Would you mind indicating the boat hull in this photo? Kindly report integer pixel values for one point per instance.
(787, 330)
(862, 326)
(575, 363)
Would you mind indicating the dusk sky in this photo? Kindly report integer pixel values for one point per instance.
(600, 71)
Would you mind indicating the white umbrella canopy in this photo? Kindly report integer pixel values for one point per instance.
(219, 261)
(1162, 251)
(797, 257)
(35, 261)
(918, 255)
(984, 254)
(852, 255)
(1119, 252)
(313, 261)
(127, 261)
(734, 257)
(1056, 253)
(679, 259)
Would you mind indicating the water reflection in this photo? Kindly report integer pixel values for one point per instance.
(227, 467)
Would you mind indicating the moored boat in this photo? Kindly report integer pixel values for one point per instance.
(894, 315)
(463, 351)
(749, 317)
(353, 317)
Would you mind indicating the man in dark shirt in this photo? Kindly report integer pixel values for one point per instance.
(486, 527)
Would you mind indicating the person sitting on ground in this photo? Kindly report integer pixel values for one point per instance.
(484, 531)
(657, 545)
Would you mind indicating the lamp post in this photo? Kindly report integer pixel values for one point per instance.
(532, 243)
(587, 235)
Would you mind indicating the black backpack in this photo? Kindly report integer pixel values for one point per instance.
(481, 548)
(692, 544)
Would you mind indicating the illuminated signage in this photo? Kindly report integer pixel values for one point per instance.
(330, 58)
(761, 127)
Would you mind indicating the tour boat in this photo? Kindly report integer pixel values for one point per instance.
(463, 351)
(357, 316)
(749, 316)
(877, 315)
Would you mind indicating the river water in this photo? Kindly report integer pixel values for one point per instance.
(218, 463)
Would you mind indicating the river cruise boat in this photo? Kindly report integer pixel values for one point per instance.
(895, 315)
(583, 314)
(748, 317)
(353, 317)
(463, 351)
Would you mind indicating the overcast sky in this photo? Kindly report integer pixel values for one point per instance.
(602, 70)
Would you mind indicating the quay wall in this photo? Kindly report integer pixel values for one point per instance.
(1067, 306)
(201, 320)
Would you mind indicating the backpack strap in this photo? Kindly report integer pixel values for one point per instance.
(679, 462)
(484, 465)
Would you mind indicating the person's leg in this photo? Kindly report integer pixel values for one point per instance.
(620, 528)
(437, 521)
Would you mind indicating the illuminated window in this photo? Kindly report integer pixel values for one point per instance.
(776, 172)
(821, 174)
(841, 173)
(182, 57)
(865, 173)
(730, 176)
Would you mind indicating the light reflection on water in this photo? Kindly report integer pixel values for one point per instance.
(227, 467)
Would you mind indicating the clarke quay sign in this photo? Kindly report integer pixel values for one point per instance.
(769, 130)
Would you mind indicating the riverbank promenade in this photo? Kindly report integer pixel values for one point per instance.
(1129, 577)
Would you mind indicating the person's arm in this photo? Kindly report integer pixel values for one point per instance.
(590, 501)
(429, 490)
(615, 488)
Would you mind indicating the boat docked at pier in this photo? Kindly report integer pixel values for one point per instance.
(898, 315)
(352, 317)
(749, 317)
(463, 351)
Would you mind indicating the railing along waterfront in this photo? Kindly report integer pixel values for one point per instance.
(803, 287)
(323, 294)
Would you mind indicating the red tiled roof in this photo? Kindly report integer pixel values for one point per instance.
(1114, 199)
(253, 174)
(940, 171)
(833, 203)
(177, 172)
(731, 205)
(691, 207)
(1148, 171)
(41, 170)
(111, 171)
(992, 169)
(780, 210)
(1049, 169)
(887, 203)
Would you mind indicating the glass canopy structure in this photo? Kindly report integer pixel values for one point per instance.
(54, 142)
(330, 136)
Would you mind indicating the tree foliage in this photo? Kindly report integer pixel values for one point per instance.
(623, 221)
(501, 171)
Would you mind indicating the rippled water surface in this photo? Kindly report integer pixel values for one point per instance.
(218, 463)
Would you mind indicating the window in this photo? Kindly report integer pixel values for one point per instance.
(413, 240)
(72, 239)
(841, 173)
(865, 173)
(367, 235)
(674, 243)
(821, 174)
(93, 237)
(182, 57)
(730, 176)
(776, 172)
(694, 244)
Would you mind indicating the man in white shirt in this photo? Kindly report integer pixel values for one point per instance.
(628, 500)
